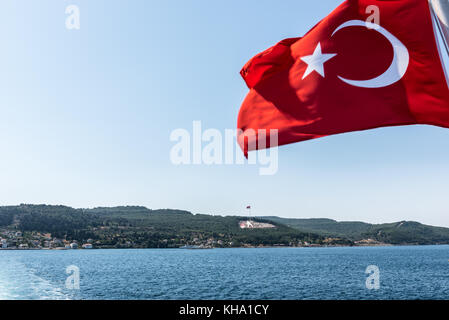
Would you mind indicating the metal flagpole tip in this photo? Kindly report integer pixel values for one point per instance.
(441, 10)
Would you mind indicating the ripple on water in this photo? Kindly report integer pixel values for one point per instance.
(282, 273)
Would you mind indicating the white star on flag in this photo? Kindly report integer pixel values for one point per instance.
(316, 61)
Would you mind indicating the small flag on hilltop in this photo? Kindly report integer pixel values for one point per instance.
(348, 74)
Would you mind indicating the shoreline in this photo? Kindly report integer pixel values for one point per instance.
(217, 248)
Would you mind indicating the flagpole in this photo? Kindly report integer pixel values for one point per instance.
(440, 12)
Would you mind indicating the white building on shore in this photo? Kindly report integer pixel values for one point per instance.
(74, 245)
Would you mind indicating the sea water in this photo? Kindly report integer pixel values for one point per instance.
(412, 272)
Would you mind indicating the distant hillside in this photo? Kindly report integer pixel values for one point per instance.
(139, 227)
(404, 232)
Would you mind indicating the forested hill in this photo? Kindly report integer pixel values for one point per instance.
(140, 227)
(404, 232)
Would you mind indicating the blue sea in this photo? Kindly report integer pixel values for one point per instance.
(415, 272)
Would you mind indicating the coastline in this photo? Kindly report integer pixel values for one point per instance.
(218, 248)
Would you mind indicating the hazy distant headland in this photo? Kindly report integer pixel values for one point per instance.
(54, 227)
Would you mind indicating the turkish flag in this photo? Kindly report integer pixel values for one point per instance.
(347, 74)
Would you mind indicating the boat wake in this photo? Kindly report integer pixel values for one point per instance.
(18, 282)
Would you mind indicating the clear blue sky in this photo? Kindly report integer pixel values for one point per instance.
(85, 116)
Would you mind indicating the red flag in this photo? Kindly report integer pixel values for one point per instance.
(347, 74)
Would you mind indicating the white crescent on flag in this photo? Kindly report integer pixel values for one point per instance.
(398, 67)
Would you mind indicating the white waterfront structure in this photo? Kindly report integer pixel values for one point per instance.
(74, 245)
